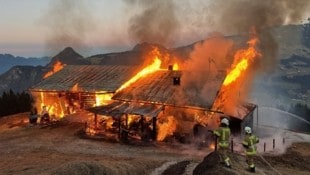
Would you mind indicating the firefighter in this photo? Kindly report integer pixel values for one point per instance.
(223, 135)
(249, 143)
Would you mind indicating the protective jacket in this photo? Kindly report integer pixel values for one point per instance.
(223, 133)
(249, 143)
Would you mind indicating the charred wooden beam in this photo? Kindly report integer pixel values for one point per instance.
(154, 134)
(142, 123)
(119, 127)
(96, 120)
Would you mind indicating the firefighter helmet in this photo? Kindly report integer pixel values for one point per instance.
(225, 121)
(248, 130)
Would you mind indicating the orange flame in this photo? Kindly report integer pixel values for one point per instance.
(75, 88)
(147, 70)
(103, 99)
(241, 62)
(175, 66)
(56, 67)
(52, 103)
(229, 97)
(166, 128)
(212, 146)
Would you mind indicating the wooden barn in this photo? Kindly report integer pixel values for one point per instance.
(166, 104)
(77, 87)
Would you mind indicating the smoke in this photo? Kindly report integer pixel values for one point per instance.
(67, 23)
(239, 16)
(156, 22)
(206, 68)
(244, 18)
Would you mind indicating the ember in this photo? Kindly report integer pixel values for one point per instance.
(103, 99)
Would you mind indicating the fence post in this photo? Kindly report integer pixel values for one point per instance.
(273, 143)
(215, 145)
(264, 146)
(283, 141)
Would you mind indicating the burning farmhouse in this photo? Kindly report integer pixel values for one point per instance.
(155, 102)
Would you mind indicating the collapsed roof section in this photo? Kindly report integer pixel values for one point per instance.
(88, 78)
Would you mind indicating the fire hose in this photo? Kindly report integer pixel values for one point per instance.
(275, 170)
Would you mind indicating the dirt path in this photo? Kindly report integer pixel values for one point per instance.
(58, 149)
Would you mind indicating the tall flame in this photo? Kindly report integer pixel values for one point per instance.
(242, 59)
(229, 97)
(56, 67)
(166, 127)
(153, 67)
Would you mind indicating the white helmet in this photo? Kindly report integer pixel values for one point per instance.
(225, 121)
(248, 130)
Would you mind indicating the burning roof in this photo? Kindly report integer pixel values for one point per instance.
(165, 87)
(88, 78)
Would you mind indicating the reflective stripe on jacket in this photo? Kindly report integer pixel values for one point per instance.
(250, 142)
(223, 134)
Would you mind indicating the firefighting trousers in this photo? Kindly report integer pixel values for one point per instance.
(250, 160)
(224, 156)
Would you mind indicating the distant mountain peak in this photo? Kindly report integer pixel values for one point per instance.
(68, 56)
(66, 53)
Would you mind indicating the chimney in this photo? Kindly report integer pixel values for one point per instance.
(176, 81)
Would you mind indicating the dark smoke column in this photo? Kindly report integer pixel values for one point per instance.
(155, 23)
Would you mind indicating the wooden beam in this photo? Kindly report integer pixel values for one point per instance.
(154, 134)
(119, 126)
(96, 120)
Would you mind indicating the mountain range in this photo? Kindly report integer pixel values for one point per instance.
(293, 68)
(7, 61)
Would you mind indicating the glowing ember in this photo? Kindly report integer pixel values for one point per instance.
(103, 99)
(56, 67)
(75, 88)
(175, 66)
(153, 67)
(166, 128)
(212, 146)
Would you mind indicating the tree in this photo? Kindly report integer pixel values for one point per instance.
(11, 103)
